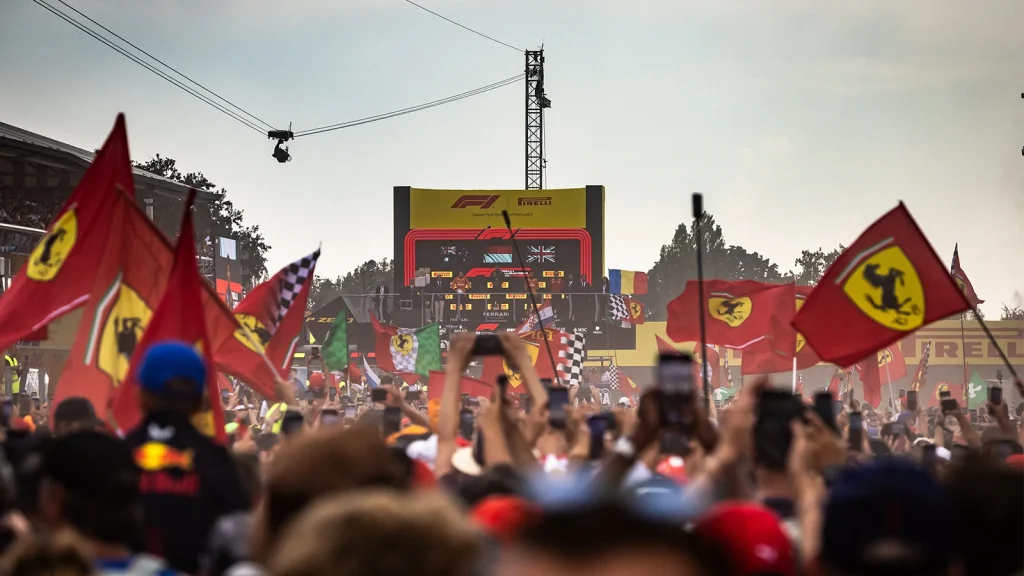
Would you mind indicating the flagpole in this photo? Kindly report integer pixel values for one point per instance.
(698, 211)
(963, 354)
(892, 397)
(794, 374)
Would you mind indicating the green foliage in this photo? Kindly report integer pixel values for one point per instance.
(814, 264)
(677, 264)
(214, 219)
(1015, 313)
(362, 280)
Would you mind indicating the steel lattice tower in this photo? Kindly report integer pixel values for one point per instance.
(536, 102)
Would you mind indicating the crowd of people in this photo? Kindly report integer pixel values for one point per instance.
(537, 480)
(34, 209)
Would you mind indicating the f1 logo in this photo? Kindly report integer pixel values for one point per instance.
(480, 200)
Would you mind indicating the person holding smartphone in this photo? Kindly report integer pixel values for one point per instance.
(460, 353)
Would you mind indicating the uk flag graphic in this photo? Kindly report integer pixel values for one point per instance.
(540, 254)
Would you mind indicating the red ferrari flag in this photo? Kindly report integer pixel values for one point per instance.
(960, 277)
(763, 357)
(58, 275)
(128, 286)
(891, 362)
(737, 314)
(179, 316)
(475, 388)
(666, 348)
(870, 380)
(887, 284)
(273, 314)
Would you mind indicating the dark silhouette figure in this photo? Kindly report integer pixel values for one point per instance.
(887, 284)
(48, 243)
(261, 333)
(126, 331)
(728, 308)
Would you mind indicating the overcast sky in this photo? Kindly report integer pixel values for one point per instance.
(801, 121)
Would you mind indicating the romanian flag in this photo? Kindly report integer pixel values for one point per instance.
(737, 313)
(960, 277)
(179, 316)
(887, 284)
(58, 275)
(627, 282)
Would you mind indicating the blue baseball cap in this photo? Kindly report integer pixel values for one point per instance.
(172, 360)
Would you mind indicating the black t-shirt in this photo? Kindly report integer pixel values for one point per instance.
(187, 481)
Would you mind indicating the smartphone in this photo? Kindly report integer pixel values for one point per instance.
(943, 394)
(332, 393)
(598, 425)
(902, 394)
(413, 396)
(466, 423)
(776, 409)
(557, 399)
(911, 400)
(464, 400)
(502, 386)
(329, 417)
(973, 415)
(392, 420)
(995, 395)
(948, 405)
(897, 429)
(547, 383)
(292, 423)
(824, 407)
(350, 411)
(314, 352)
(675, 380)
(928, 457)
(378, 395)
(487, 345)
(855, 438)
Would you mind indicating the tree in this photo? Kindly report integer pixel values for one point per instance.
(218, 218)
(1015, 313)
(362, 280)
(677, 263)
(812, 265)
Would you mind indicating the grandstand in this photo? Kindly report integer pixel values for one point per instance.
(37, 174)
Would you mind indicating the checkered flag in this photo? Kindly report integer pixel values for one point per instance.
(617, 309)
(571, 357)
(291, 280)
(613, 376)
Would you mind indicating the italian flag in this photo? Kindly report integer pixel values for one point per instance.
(408, 350)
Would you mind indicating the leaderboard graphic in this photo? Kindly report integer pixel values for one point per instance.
(461, 234)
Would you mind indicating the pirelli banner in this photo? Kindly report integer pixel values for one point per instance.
(560, 233)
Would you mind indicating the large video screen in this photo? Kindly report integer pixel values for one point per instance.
(559, 234)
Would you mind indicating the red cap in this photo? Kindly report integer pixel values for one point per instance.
(752, 537)
(316, 380)
(673, 467)
(1015, 461)
(504, 516)
(422, 476)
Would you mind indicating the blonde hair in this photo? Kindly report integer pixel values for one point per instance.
(378, 532)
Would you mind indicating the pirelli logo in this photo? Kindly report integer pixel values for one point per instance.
(476, 200)
(535, 201)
